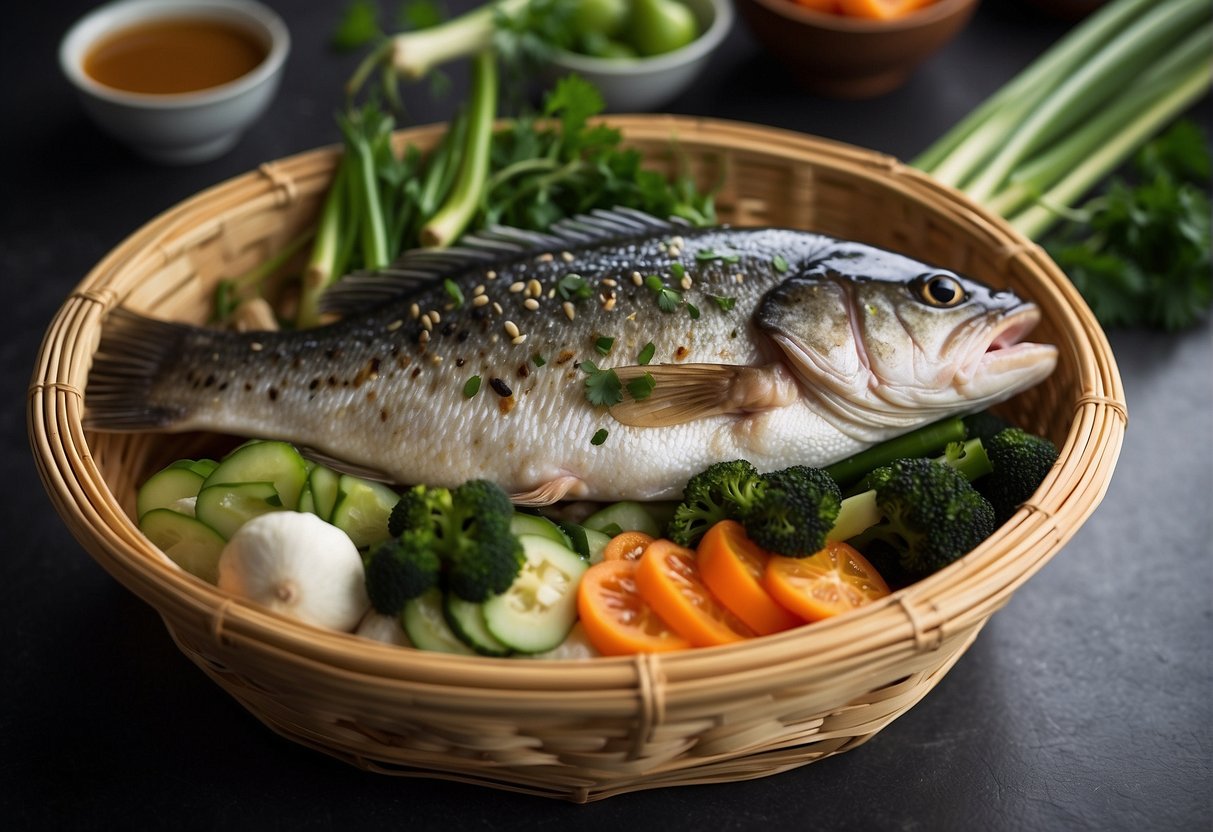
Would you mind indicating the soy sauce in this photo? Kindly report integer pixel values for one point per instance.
(174, 56)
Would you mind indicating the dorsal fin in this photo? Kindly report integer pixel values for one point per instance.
(417, 269)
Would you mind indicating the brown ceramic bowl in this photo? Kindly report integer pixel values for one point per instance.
(849, 57)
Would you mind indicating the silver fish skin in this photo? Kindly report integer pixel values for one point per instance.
(774, 345)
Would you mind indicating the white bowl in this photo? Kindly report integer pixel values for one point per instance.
(180, 128)
(642, 84)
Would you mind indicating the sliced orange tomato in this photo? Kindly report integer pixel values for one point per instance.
(627, 546)
(732, 566)
(616, 620)
(668, 579)
(881, 9)
(835, 580)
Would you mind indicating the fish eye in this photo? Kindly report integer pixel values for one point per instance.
(940, 289)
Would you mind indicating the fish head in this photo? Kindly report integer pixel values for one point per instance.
(886, 341)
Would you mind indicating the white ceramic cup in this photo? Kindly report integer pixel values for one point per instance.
(180, 128)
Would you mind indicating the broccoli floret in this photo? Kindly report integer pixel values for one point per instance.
(466, 529)
(797, 509)
(400, 569)
(483, 556)
(930, 515)
(723, 491)
(1020, 461)
(983, 424)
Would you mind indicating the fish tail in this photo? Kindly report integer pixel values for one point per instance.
(134, 352)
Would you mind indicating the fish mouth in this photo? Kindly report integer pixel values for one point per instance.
(1007, 351)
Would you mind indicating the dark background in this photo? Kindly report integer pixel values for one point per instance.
(1085, 704)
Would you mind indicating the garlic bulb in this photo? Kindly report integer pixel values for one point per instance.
(299, 565)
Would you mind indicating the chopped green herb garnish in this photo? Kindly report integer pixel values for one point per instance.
(667, 299)
(678, 270)
(654, 283)
(573, 287)
(732, 258)
(780, 264)
(705, 254)
(538, 360)
(726, 304)
(599, 437)
(641, 388)
(603, 345)
(453, 290)
(359, 26)
(602, 387)
(693, 311)
(472, 387)
(646, 353)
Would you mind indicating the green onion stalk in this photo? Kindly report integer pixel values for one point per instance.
(1078, 111)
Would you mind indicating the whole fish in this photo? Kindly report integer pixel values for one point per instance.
(610, 358)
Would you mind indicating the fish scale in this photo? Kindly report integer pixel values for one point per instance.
(760, 354)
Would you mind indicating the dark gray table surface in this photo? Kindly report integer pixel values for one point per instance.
(1085, 704)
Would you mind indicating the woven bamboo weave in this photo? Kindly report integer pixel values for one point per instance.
(589, 729)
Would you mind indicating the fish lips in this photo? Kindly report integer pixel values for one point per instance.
(1008, 357)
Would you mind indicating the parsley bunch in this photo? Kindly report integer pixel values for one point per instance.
(1139, 253)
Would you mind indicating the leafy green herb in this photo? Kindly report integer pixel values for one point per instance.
(706, 254)
(725, 303)
(667, 299)
(1140, 253)
(780, 263)
(602, 387)
(574, 287)
(538, 360)
(472, 387)
(420, 14)
(678, 270)
(599, 437)
(641, 387)
(693, 311)
(359, 25)
(452, 289)
(603, 345)
(646, 353)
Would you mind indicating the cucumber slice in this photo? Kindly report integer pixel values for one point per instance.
(166, 488)
(362, 509)
(306, 503)
(587, 543)
(534, 524)
(323, 482)
(201, 467)
(426, 626)
(466, 619)
(625, 516)
(189, 543)
(274, 462)
(226, 507)
(538, 610)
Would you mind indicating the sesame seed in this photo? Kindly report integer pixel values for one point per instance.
(426, 323)
(738, 278)
(678, 241)
(534, 288)
(497, 307)
(685, 282)
(256, 346)
(546, 258)
(517, 286)
(423, 337)
(518, 339)
(434, 316)
(395, 325)
(479, 290)
(675, 251)
(569, 311)
(607, 281)
(500, 387)
(638, 278)
(480, 300)
(511, 329)
(490, 275)
(552, 292)
(531, 304)
(414, 311)
(566, 256)
(609, 304)
(435, 359)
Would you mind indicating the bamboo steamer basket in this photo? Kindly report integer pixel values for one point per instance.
(584, 730)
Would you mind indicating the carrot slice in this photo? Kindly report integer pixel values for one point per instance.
(826, 6)
(835, 580)
(627, 546)
(732, 566)
(668, 579)
(881, 9)
(616, 620)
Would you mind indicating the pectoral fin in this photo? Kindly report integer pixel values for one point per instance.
(685, 392)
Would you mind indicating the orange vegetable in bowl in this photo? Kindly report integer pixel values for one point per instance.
(627, 546)
(881, 9)
(615, 618)
(835, 580)
(732, 566)
(668, 578)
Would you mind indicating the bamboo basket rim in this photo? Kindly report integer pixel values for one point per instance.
(924, 616)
